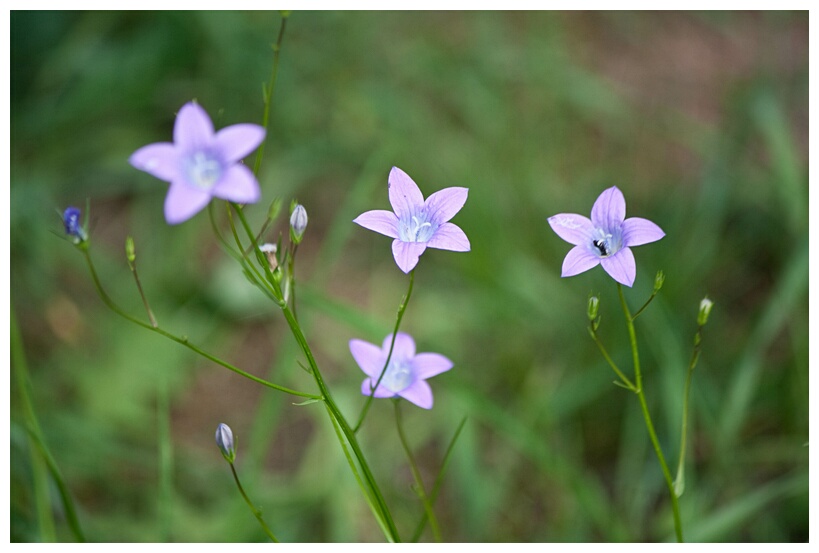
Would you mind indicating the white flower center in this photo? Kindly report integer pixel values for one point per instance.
(415, 229)
(604, 244)
(202, 170)
(398, 376)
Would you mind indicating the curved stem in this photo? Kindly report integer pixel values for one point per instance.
(401, 308)
(256, 512)
(422, 493)
(626, 383)
(649, 425)
(269, 93)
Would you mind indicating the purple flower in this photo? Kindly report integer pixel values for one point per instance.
(407, 372)
(417, 224)
(224, 440)
(606, 238)
(73, 227)
(201, 164)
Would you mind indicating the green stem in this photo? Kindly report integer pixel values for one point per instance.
(401, 308)
(649, 425)
(679, 482)
(165, 454)
(132, 264)
(256, 512)
(416, 474)
(269, 93)
(625, 381)
(183, 340)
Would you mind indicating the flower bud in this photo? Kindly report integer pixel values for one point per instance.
(130, 252)
(273, 210)
(224, 439)
(705, 311)
(270, 251)
(73, 227)
(594, 305)
(298, 223)
(659, 279)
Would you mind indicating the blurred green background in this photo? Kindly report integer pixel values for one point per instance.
(701, 119)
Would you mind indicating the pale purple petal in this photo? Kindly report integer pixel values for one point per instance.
(418, 393)
(638, 231)
(573, 228)
(405, 197)
(183, 202)
(407, 253)
(237, 185)
(609, 210)
(427, 365)
(449, 237)
(370, 358)
(578, 260)
(442, 206)
(404, 346)
(379, 220)
(160, 160)
(621, 266)
(237, 141)
(381, 391)
(193, 129)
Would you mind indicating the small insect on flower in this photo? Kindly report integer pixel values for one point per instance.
(605, 239)
(202, 164)
(405, 375)
(416, 224)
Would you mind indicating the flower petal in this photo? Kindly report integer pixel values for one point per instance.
(442, 206)
(578, 260)
(418, 393)
(406, 254)
(638, 231)
(404, 347)
(405, 196)
(427, 365)
(621, 266)
(609, 210)
(370, 358)
(381, 391)
(573, 228)
(449, 237)
(379, 220)
(237, 141)
(160, 159)
(238, 185)
(183, 202)
(193, 129)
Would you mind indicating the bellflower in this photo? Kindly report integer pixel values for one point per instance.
(224, 440)
(407, 372)
(202, 164)
(73, 226)
(604, 239)
(416, 224)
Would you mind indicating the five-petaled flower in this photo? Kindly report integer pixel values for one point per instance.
(405, 375)
(202, 164)
(604, 239)
(416, 224)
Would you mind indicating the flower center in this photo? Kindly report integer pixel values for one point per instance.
(416, 229)
(604, 243)
(203, 170)
(398, 376)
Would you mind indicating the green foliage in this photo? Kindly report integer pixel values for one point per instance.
(701, 120)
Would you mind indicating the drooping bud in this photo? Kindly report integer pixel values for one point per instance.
(224, 439)
(73, 227)
(705, 311)
(298, 223)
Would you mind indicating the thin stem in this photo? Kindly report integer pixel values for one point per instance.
(401, 308)
(291, 278)
(644, 406)
(256, 512)
(165, 455)
(269, 92)
(183, 339)
(625, 381)
(422, 494)
(643, 308)
(436, 487)
(132, 264)
(679, 482)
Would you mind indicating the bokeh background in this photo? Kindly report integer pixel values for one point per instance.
(700, 118)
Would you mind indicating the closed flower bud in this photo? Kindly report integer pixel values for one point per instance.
(298, 223)
(658, 281)
(705, 311)
(73, 227)
(224, 439)
(130, 252)
(594, 305)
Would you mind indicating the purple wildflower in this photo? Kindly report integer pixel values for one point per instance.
(73, 227)
(416, 224)
(201, 164)
(604, 239)
(407, 372)
(224, 440)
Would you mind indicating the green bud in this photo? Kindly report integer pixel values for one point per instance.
(274, 209)
(594, 305)
(658, 281)
(705, 311)
(130, 253)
